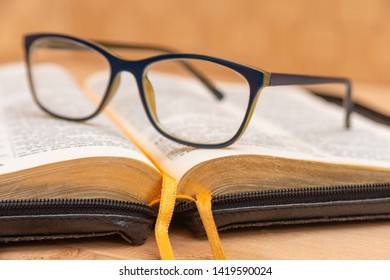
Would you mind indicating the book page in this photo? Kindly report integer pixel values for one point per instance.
(288, 122)
(30, 137)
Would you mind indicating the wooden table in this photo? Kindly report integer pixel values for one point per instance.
(357, 240)
(354, 240)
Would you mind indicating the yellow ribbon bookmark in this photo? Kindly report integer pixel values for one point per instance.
(165, 212)
(203, 203)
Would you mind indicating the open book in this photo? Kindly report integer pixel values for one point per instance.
(294, 164)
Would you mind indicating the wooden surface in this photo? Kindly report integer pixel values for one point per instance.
(336, 37)
(328, 37)
(361, 240)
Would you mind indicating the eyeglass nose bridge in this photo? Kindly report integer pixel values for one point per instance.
(136, 69)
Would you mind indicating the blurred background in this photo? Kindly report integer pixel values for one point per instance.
(324, 37)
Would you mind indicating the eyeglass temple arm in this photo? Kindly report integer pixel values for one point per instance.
(280, 79)
(191, 69)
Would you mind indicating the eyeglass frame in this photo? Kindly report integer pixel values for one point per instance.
(257, 80)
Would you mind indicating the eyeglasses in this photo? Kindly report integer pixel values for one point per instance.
(185, 96)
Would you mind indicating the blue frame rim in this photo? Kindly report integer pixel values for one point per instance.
(254, 77)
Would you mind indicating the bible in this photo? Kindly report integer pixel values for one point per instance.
(295, 164)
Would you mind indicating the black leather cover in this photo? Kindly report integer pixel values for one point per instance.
(288, 214)
(23, 228)
(28, 221)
